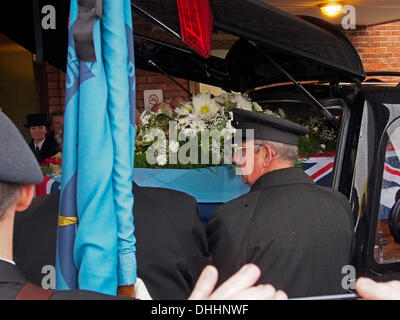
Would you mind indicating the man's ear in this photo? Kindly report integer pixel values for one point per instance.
(269, 154)
(25, 196)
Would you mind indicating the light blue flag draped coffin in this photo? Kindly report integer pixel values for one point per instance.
(95, 240)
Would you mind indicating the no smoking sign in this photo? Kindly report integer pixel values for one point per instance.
(151, 98)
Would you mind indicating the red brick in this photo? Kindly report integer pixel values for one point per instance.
(54, 101)
(53, 93)
(393, 49)
(52, 76)
(156, 79)
(369, 55)
(50, 68)
(53, 84)
(141, 86)
(141, 79)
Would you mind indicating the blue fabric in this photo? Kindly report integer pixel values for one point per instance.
(97, 170)
(205, 185)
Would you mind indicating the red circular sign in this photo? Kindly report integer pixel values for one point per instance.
(153, 99)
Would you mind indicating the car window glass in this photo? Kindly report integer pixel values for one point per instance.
(386, 250)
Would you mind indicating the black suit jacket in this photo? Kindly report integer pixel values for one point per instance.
(298, 233)
(50, 147)
(12, 281)
(171, 243)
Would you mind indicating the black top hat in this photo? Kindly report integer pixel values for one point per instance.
(36, 119)
(268, 127)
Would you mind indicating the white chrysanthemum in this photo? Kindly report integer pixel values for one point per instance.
(270, 113)
(189, 132)
(188, 106)
(204, 106)
(184, 122)
(242, 103)
(145, 117)
(257, 107)
(174, 146)
(161, 159)
(182, 111)
(198, 125)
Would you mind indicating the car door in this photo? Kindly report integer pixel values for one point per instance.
(376, 184)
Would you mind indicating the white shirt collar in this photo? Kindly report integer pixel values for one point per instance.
(40, 144)
(6, 260)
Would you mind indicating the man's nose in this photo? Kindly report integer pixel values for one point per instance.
(237, 159)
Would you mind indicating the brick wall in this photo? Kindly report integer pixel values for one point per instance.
(379, 47)
(55, 88)
(145, 80)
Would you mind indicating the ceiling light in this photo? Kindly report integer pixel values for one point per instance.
(331, 9)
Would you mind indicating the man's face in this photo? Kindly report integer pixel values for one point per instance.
(38, 133)
(57, 124)
(249, 157)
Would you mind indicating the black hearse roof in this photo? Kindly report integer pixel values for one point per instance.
(307, 48)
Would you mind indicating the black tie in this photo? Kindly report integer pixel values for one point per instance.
(37, 152)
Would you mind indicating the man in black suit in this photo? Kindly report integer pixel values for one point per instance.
(171, 243)
(42, 145)
(19, 172)
(298, 233)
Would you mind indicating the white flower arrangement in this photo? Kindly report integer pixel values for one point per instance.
(205, 113)
(202, 113)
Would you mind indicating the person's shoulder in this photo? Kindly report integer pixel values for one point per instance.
(174, 205)
(243, 198)
(338, 196)
(227, 209)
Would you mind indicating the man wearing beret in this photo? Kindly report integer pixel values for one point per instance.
(42, 145)
(19, 172)
(298, 233)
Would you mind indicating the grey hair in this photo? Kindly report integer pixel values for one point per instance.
(8, 196)
(286, 152)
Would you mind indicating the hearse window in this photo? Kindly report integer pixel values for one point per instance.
(386, 250)
(317, 149)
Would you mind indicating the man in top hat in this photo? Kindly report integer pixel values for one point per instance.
(298, 233)
(42, 146)
(19, 172)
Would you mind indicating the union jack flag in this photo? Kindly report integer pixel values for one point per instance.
(390, 182)
(319, 168)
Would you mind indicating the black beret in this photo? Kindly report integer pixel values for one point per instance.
(17, 161)
(268, 127)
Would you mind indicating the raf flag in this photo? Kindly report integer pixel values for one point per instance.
(95, 240)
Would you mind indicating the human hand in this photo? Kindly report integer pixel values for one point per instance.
(238, 287)
(371, 290)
